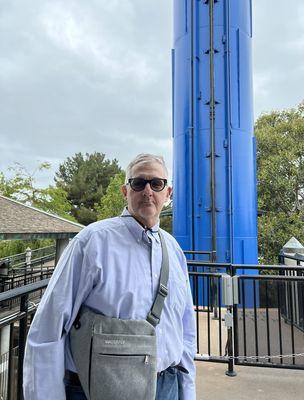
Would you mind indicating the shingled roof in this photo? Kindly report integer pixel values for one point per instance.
(18, 221)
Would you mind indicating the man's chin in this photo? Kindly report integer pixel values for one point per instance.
(148, 209)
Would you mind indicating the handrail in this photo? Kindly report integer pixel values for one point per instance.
(200, 263)
(19, 256)
(23, 290)
(297, 256)
(197, 252)
(272, 278)
(35, 261)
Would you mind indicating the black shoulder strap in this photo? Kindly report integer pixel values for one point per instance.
(154, 315)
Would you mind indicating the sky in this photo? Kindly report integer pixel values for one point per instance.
(86, 76)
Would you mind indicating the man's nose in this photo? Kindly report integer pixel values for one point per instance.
(147, 189)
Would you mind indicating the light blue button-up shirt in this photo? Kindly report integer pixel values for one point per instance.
(112, 266)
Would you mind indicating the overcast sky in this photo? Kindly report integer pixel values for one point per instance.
(95, 75)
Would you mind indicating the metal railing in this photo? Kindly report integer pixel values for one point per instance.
(8, 367)
(19, 260)
(257, 330)
(298, 258)
(25, 274)
(296, 290)
(263, 336)
(268, 315)
(16, 325)
(15, 281)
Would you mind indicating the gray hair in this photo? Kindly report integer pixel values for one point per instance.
(145, 158)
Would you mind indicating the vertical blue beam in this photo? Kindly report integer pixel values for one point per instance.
(214, 199)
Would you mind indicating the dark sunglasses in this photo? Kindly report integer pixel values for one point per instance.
(156, 184)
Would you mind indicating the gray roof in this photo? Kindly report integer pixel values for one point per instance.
(19, 221)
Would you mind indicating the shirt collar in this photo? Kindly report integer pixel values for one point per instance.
(137, 229)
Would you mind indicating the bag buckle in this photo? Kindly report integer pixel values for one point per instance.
(153, 319)
(163, 290)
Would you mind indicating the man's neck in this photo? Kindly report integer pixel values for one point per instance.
(144, 223)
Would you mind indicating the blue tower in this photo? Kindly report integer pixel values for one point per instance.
(214, 170)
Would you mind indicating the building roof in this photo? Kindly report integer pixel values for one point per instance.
(19, 221)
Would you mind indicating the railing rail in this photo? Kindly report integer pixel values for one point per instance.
(23, 278)
(20, 258)
(273, 297)
(270, 331)
(270, 303)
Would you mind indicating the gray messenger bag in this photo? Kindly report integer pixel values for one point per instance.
(115, 358)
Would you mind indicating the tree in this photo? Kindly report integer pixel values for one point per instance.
(54, 200)
(280, 161)
(21, 186)
(112, 203)
(166, 218)
(85, 178)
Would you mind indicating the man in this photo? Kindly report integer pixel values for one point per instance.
(113, 266)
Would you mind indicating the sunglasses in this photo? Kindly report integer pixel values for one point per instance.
(156, 184)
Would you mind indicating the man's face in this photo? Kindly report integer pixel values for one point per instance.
(146, 205)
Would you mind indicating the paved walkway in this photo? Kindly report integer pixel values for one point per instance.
(251, 383)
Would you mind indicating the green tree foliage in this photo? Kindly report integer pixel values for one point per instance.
(85, 178)
(21, 186)
(112, 203)
(280, 161)
(11, 247)
(166, 218)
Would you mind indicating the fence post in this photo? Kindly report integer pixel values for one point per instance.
(229, 301)
(4, 268)
(10, 377)
(230, 372)
(28, 257)
(291, 248)
(22, 340)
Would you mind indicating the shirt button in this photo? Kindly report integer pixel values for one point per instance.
(155, 275)
(138, 240)
(160, 331)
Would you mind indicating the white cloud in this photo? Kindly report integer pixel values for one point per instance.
(278, 54)
(96, 75)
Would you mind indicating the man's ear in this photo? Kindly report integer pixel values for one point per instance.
(169, 195)
(123, 190)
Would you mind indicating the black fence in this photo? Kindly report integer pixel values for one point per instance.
(267, 314)
(37, 271)
(294, 314)
(261, 326)
(263, 334)
(13, 327)
(8, 370)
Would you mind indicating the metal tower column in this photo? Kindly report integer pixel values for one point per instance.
(214, 174)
